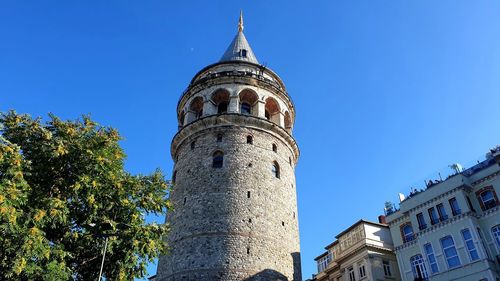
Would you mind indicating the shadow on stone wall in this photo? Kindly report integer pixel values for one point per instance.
(267, 275)
(297, 267)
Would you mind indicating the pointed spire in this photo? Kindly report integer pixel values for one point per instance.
(240, 23)
(239, 49)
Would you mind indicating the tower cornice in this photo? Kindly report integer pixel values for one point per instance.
(233, 119)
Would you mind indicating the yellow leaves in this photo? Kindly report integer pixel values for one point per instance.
(2, 198)
(91, 199)
(9, 213)
(135, 217)
(94, 184)
(71, 131)
(135, 243)
(61, 150)
(125, 201)
(18, 175)
(53, 212)
(40, 215)
(47, 135)
(8, 149)
(34, 231)
(19, 266)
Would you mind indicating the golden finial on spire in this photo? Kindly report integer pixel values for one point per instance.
(240, 23)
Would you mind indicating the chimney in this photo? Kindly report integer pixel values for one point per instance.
(381, 219)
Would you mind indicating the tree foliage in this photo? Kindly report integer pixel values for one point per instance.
(62, 188)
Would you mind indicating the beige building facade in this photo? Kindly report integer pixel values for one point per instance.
(364, 251)
(451, 230)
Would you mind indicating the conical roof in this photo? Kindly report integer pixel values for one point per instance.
(239, 49)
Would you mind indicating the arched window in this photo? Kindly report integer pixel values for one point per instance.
(222, 107)
(249, 139)
(276, 170)
(272, 110)
(219, 137)
(248, 101)
(218, 159)
(496, 235)
(196, 107)
(450, 252)
(275, 147)
(245, 108)
(407, 232)
(193, 145)
(487, 198)
(221, 99)
(418, 267)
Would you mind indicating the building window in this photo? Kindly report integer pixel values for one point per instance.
(249, 139)
(469, 243)
(275, 147)
(276, 170)
(450, 252)
(418, 267)
(243, 53)
(496, 235)
(245, 108)
(174, 176)
(193, 145)
(362, 271)
(267, 115)
(387, 268)
(483, 243)
(487, 198)
(441, 212)
(455, 209)
(352, 276)
(323, 262)
(429, 252)
(219, 137)
(406, 232)
(222, 107)
(433, 216)
(421, 221)
(218, 159)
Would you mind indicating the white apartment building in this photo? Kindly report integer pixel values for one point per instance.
(364, 251)
(451, 230)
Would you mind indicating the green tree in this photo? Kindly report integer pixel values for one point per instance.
(63, 185)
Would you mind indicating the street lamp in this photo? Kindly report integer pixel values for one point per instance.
(106, 236)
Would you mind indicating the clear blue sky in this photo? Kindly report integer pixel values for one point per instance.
(387, 92)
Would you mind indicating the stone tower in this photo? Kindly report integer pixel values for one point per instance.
(234, 197)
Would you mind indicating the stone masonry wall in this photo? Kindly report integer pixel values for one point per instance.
(237, 222)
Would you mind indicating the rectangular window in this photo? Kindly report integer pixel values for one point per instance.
(362, 272)
(352, 276)
(455, 209)
(387, 268)
(431, 258)
(433, 216)
(469, 243)
(421, 221)
(450, 252)
(441, 212)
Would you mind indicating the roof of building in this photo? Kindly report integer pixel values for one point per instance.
(347, 230)
(239, 49)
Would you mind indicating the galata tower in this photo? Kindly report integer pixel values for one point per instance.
(234, 197)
